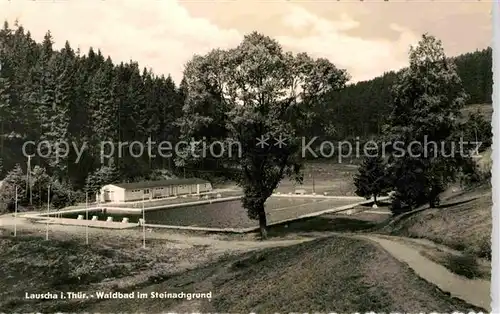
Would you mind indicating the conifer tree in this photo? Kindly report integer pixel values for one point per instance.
(40, 181)
(7, 99)
(14, 179)
(102, 104)
(106, 174)
(372, 178)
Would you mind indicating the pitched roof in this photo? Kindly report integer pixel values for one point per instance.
(161, 183)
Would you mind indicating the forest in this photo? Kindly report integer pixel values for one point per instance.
(365, 105)
(84, 97)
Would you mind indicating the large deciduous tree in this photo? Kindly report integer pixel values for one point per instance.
(427, 100)
(253, 92)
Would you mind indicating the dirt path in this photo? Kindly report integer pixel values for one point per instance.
(234, 245)
(473, 291)
(216, 242)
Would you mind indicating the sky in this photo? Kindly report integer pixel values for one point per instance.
(366, 38)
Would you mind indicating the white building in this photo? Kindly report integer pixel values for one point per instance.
(126, 192)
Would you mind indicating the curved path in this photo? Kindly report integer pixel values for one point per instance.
(472, 291)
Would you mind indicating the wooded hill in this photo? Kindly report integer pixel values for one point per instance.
(361, 109)
(67, 95)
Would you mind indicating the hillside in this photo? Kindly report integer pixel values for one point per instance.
(463, 222)
(333, 274)
(365, 105)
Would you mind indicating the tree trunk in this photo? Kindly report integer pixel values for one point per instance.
(434, 198)
(1, 139)
(262, 223)
(434, 202)
(375, 200)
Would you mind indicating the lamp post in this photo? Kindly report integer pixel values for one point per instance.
(28, 180)
(48, 213)
(87, 218)
(15, 215)
(313, 182)
(143, 224)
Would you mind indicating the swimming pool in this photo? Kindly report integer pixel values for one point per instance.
(230, 214)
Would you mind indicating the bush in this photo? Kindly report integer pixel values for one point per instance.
(464, 265)
(398, 206)
(7, 206)
(484, 248)
(62, 195)
(11, 206)
(79, 196)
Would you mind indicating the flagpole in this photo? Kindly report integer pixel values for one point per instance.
(15, 216)
(87, 218)
(48, 214)
(29, 180)
(143, 224)
(27, 177)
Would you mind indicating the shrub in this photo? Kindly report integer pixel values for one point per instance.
(484, 248)
(7, 206)
(464, 265)
(79, 196)
(398, 205)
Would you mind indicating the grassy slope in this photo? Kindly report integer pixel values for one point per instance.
(333, 274)
(465, 226)
(462, 224)
(30, 264)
